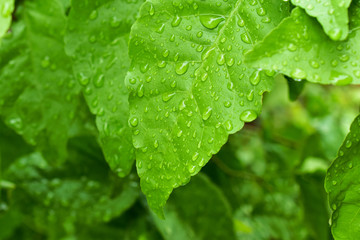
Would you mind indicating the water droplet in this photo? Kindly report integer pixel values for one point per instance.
(151, 10)
(298, 73)
(192, 169)
(292, 47)
(99, 82)
(335, 34)
(45, 62)
(348, 144)
(227, 104)
(255, 78)
(176, 21)
(83, 80)
(156, 144)
(339, 78)
(167, 96)
(93, 15)
(334, 182)
(333, 206)
(211, 21)
(134, 121)
(248, 116)
(144, 68)
(204, 77)
(140, 91)
(115, 22)
(245, 38)
(195, 156)
(181, 68)
(206, 115)
(179, 134)
(221, 59)
(228, 125)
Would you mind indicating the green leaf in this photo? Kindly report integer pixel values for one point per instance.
(97, 41)
(82, 191)
(203, 217)
(6, 9)
(313, 198)
(39, 97)
(333, 15)
(343, 187)
(189, 86)
(299, 49)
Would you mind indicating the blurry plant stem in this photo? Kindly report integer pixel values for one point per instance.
(235, 173)
(240, 174)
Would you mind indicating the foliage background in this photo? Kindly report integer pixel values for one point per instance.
(267, 181)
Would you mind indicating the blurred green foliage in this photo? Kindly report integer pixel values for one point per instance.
(265, 183)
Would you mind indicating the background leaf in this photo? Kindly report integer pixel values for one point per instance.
(333, 15)
(97, 41)
(40, 98)
(343, 189)
(6, 9)
(189, 86)
(303, 52)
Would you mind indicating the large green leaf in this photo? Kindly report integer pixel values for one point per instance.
(97, 41)
(189, 86)
(342, 185)
(38, 97)
(299, 49)
(6, 9)
(203, 217)
(333, 15)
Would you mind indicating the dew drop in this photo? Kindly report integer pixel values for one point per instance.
(228, 125)
(248, 116)
(93, 15)
(298, 73)
(192, 169)
(221, 59)
(176, 21)
(156, 144)
(99, 82)
(151, 10)
(134, 121)
(206, 115)
(348, 144)
(181, 68)
(167, 96)
(211, 21)
(255, 78)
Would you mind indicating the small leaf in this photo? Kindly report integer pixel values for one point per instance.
(39, 98)
(333, 15)
(189, 86)
(97, 41)
(6, 9)
(299, 49)
(343, 187)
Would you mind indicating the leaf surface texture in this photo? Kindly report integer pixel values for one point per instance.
(31, 76)
(299, 49)
(97, 41)
(333, 15)
(189, 86)
(342, 186)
